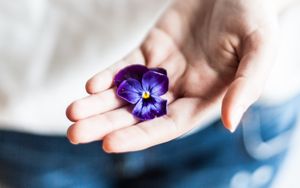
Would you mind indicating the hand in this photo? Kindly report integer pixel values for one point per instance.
(212, 49)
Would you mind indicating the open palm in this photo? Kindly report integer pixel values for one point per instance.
(212, 51)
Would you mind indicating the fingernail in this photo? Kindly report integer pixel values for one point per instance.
(107, 149)
(72, 142)
(236, 118)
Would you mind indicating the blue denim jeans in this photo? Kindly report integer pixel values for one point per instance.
(211, 158)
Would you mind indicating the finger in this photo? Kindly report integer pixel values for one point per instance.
(97, 126)
(182, 116)
(108, 100)
(104, 79)
(251, 75)
(160, 51)
(94, 104)
(157, 47)
(175, 65)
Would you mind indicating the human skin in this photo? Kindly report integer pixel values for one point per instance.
(215, 51)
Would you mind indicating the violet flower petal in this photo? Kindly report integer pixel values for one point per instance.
(150, 108)
(132, 71)
(156, 83)
(159, 70)
(130, 90)
(160, 106)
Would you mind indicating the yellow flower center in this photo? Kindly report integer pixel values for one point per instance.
(146, 95)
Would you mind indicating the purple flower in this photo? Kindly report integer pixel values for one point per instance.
(143, 88)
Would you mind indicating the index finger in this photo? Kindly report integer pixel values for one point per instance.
(104, 79)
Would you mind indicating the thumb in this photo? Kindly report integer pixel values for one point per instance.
(256, 62)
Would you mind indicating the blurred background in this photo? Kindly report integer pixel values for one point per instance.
(289, 24)
(76, 39)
